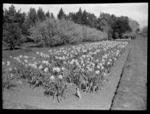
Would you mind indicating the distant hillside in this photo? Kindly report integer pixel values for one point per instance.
(133, 24)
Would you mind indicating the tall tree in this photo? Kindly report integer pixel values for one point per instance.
(71, 16)
(85, 18)
(121, 26)
(40, 14)
(32, 15)
(9, 15)
(47, 14)
(79, 16)
(92, 20)
(61, 14)
(52, 16)
(12, 27)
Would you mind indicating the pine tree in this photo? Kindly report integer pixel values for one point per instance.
(47, 14)
(79, 16)
(40, 14)
(12, 27)
(61, 14)
(32, 15)
(85, 18)
(52, 16)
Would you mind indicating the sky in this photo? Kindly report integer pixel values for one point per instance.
(135, 11)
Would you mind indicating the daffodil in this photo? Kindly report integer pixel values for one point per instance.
(46, 69)
(52, 77)
(60, 76)
(97, 72)
(8, 63)
(40, 67)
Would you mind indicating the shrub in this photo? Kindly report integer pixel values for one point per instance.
(91, 34)
(52, 32)
(70, 32)
(46, 33)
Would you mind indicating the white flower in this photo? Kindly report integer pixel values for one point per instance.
(37, 52)
(26, 57)
(25, 60)
(56, 69)
(20, 56)
(11, 75)
(19, 82)
(60, 76)
(97, 72)
(46, 69)
(52, 77)
(40, 67)
(32, 65)
(35, 63)
(98, 66)
(104, 73)
(102, 67)
(8, 63)
(63, 68)
(108, 63)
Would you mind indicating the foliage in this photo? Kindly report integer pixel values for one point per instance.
(32, 15)
(61, 14)
(12, 28)
(134, 25)
(40, 14)
(71, 28)
(52, 32)
(120, 27)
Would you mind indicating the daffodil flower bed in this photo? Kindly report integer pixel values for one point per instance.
(84, 66)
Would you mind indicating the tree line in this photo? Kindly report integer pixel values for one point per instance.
(18, 26)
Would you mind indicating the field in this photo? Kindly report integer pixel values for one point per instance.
(84, 67)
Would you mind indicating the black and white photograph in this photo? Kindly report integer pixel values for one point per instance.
(88, 56)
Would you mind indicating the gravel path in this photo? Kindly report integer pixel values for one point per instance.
(132, 91)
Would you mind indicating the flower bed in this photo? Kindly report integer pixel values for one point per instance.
(83, 66)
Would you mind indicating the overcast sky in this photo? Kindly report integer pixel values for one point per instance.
(136, 11)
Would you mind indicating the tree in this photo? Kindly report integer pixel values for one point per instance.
(105, 22)
(91, 19)
(12, 35)
(9, 15)
(52, 16)
(30, 20)
(40, 14)
(134, 25)
(121, 26)
(32, 15)
(61, 14)
(85, 18)
(71, 16)
(79, 16)
(47, 14)
(12, 27)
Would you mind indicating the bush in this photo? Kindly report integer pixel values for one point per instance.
(70, 32)
(52, 32)
(91, 34)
